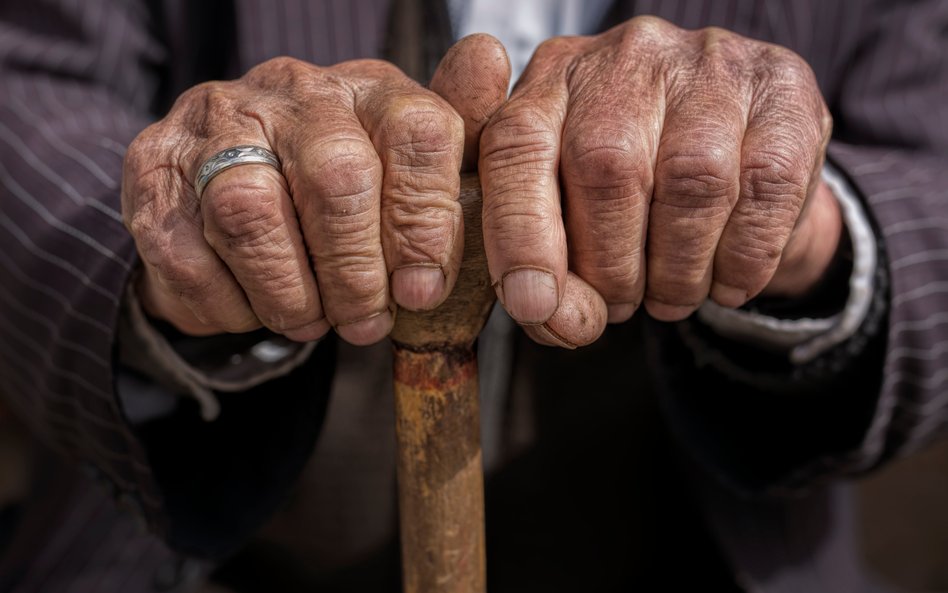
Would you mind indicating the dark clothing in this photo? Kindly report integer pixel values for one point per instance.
(78, 80)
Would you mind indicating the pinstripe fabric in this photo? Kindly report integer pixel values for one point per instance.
(79, 80)
(65, 254)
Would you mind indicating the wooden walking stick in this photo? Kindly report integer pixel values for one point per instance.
(440, 477)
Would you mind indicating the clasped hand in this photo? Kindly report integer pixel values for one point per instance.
(648, 165)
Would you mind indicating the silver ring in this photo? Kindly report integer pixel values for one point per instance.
(232, 157)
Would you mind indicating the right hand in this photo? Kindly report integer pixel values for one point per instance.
(364, 217)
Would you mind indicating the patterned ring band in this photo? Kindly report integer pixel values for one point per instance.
(232, 157)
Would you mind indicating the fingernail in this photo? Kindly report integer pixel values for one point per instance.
(666, 312)
(728, 296)
(529, 295)
(418, 287)
(550, 338)
(620, 312)
(368, 330)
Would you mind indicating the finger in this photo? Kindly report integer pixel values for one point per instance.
(187, 270)
(250, 221)
(781, 159)
(473, 77)
(158, 303)
(524, 236)
(335, 180)
(579, 320)
(419, 139)
(609, 147)
(163, 216)
(697, 182)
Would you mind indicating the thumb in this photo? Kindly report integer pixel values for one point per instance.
(473, 77)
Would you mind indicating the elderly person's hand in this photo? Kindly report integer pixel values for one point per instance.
(360, 216)
(662, 166)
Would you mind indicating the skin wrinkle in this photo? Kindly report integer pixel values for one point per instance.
(374, 176)
(347, 190)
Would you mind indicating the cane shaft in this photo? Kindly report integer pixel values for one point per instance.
(440, 478)
(441, 502)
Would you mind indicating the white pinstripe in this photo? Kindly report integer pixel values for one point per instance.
(45, 355)
(931, 288)
(21, 149)
(891, 195)
(921, 257)
(59, 262)
(55, 332)
(915, 224)
(929, 383)
(112, 146)
(29, 117)
(932, 352)
(921, 325)
(17, 273)
(43, 90)
(883, 165)
(925, 412)
(35, 205)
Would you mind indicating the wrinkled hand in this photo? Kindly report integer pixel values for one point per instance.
(363, 217)
(689, 166)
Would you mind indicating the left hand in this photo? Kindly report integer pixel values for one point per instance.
(690, 166)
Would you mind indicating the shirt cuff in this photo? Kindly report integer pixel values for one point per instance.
(198, 366)
(806, 338)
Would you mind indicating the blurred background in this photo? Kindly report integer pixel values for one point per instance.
(904, 520)
(903, 510)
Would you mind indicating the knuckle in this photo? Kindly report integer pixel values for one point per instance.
(346, 168)
(194, 95)
(776, 176)
(367, 69)
(782, 67)
(519, 136)
(290, 310)
(723, 59)
(283, 72)
(752, 251)
(241, 214)
(604, 155)
(139, 155)
(422, 231)
(421, 133)
(649, 31)
(148, 152)
(554, 47)
(683, 289)
(204, 108)
(697, 179)
(140, 220)
(826, 121)
(717, 42)
(512, 221)
(357, 281)
(182, 277)
(616, 276)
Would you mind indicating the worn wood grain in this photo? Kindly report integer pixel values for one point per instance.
(440, 475)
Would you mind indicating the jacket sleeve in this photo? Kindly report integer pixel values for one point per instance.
(781, 425)
(77, 83)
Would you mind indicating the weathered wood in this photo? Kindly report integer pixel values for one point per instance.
(440, 477)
